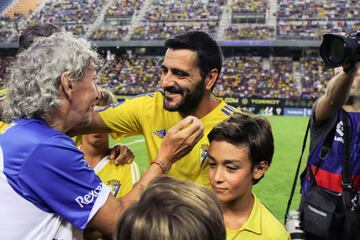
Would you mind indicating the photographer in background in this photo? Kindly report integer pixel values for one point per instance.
(342, 94)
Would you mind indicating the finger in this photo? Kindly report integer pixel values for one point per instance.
(112, 156)
(130, 160)
(195, 128)
(184, 123)
(121, 159)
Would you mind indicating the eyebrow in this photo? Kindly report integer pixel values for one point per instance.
(227, 161)
(176, 70)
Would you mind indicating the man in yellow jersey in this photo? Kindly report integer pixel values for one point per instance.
(95, 146)
(189, 71)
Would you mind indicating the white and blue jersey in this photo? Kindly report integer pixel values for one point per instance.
(47, 191)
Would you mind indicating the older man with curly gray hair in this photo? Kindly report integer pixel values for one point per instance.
(48, 191)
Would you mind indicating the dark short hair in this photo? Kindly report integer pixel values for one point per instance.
(209, 54)
(249, 129)
(173, 209)
(38, 30)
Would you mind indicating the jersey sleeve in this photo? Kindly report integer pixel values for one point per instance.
(57, 179)
(125, 118)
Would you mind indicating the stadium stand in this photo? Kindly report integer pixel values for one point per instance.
(165, 18)
(24, 7)
(269, 72)
(117, 20)
(4, 4)
(74, 16)
(131, 74)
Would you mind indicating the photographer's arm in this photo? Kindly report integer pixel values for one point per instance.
(337, 93)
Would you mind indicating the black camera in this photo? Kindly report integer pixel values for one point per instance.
(337, 49)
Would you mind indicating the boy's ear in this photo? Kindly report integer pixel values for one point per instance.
(260, 170)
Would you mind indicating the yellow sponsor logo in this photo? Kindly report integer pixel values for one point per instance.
(265, 101)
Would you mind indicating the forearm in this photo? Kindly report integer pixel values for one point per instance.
(337, 93)
(339, 87)
(96, 125)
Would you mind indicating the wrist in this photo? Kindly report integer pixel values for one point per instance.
(165, 167)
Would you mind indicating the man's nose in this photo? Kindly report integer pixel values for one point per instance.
(167, 80)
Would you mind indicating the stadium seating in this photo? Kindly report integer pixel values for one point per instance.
(4, 4)
(158, 19)
(24, 7)
(228, 20)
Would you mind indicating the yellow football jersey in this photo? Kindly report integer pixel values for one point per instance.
(3, 126)
(260, 225)
(145, 115)
(119, 178)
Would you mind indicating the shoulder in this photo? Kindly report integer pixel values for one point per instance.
(271, 226)
(142, 101)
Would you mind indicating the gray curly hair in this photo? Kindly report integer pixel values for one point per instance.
(33, 86)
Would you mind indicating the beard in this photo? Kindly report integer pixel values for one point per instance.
(189, 101)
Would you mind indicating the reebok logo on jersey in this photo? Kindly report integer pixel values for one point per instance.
(88, 198)
(160, 133)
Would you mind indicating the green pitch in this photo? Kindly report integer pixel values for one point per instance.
(274, 189)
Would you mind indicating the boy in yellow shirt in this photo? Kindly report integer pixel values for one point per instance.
(240, 152)
(120, 178)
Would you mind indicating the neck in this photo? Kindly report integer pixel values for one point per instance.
(237, 212)
(58, 118)
(56, 123)
(206, 105)
(94, 154)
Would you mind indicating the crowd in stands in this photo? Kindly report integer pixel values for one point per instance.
(124, 8)
(164, 30)
(131, 74)
(314, 77)
(242, 76)
(72, 15)
(311, 19)
(257, 76)
(9, 27)
(109, 33)
(245, 6)
(305, 20)
(250, 32)
(166, 18)
(117, 20)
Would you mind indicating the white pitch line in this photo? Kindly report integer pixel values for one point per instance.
(134, 142)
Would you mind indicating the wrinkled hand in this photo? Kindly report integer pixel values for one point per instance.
(121, 154)
(180, 139)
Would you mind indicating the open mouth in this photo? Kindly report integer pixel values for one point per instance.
(172, 94)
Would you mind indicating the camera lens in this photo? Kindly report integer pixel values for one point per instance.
(337, 51)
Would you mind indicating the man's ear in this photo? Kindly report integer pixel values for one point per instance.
(211, 78)
(67, 85)
(260, 170)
